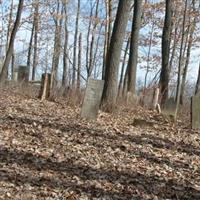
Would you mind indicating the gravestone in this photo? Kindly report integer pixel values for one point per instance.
(92, 99)
(195, 112)
(15, 75)
(147, 97)
(45, 86)
(169, 107)
(23, 74)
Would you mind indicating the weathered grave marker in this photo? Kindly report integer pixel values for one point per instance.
(45, 86)
(170, 107)
(23, 74)
(92, 99)
(15, 75)
(195, 112)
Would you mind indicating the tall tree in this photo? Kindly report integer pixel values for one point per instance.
(79, 62)
(197, 89)
(133, 56)
(113, 56)
(4, 72)
(164, 75)
(36, 28)
(65, 50)
(75, 44)
(91, 60)
(178, 90)
(57, 46)
(108, 25)
(191, 29)
(123, 67)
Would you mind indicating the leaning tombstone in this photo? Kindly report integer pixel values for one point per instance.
(23, 74)
(170, 107)
(15, 75)
(45, 86)
(195, 112)
(132, 98)
(155, 102)
(92, 99)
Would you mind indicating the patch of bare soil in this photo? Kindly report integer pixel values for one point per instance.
(48, 152)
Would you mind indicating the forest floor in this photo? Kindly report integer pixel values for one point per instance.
(48, 152)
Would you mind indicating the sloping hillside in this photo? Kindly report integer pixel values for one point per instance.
(48, 152)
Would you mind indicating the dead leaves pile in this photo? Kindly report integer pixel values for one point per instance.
(48, 152)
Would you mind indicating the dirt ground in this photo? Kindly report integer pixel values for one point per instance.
(48, 152)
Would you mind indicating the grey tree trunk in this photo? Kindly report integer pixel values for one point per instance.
(133, 56)
(65, 50)
(91, 61)
(36, 28)
(57, 49)
(113, 56)
(4, 72)
(164, 75)
(178, 91)
(28, 63)
(197, 89)
(108, 5)
(189, 46)
(123, 67)
(79, 62)
(75, 45)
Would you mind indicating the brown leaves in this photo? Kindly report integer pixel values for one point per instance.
(48, 152)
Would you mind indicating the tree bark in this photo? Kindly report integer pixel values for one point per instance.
(178, 91)
(123, 67)
(4, 72)
(28, 63)
(189, 46)
(91, 63)
(113, 57)
(65, 50)
(79, 62)
(57, 49)
(133, 56)
(36, 28)
(75, 45)
(197, 88)
(164, 75)
(108, 5)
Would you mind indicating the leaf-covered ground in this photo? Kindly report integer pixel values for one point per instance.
(48, 152)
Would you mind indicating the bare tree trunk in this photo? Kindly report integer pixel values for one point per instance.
(164, 75)
(113, 56)
(75, 44)
(12, 66)
(79, 62)
(133, 57)
(65, 50)
(175, 42)
(123, 67)
(91, 63)
(108, 5)
(178, 91)
(191, 33)
(57, 49)
(4, 72)
(197, 88)
(88, 42)
(9, 25)
(28, 63)
(148, 56)
(96, 51)
(36, 28)
(125, 83)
